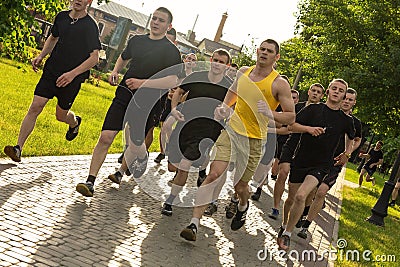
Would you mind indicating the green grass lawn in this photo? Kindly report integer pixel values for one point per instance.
(48, 138)
(362, 235)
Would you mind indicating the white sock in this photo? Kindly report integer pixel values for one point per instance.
(287, 233)
(233, 199)
(195, 221)
(284, 226)
(242, 208)
(121, 170)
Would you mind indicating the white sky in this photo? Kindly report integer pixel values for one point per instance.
(258, 19)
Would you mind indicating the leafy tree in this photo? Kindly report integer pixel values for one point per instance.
(357, 41)
(16, 21)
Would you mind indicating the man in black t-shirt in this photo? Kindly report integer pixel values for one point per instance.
(74, 45)
(330, 179)
(315, 93)
(322, 126)
(196, 130)
(150, 56)
(375, 158)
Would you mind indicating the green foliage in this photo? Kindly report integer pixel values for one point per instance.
(357, 41)
(245, 57)
(17, 21)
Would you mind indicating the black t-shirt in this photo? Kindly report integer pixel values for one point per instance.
(282, 138)
(357, 126)
(202, 99)
(149, 59)
(319, 151)
(76, 42)
(374, 156)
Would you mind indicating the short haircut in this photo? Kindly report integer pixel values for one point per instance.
(166, 11)
(340, 81)
(222, 52)
(317, 85)
(296, 92)
(352, 91)
(275, 43)
(380, 142)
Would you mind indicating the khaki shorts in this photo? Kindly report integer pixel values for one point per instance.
(244, 151)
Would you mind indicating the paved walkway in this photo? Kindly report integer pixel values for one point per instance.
(44, 222)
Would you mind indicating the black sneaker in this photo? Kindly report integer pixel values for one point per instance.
(189, 233)
(116, 177)
(211, 209)
(159, 158)
(283, 242)
(231, 209)
(256, 196)
(302, 233)
(86, 189)
(139, 166)
(201, 178)
(392, 203)
(14, 152)
(239, 219)
(274, 177)
(274, 214)
(166, 209)
(301, 222)
(281, 230)
(121, 158)
(73, 132)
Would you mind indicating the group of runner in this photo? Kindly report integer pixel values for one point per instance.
(236, 116)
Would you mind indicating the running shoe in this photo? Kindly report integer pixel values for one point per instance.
(14, 152)
(302, 233)
(166, 209)
(274, 214)
(139, 167)
(73, 132)
(116, 177)
(231, 209)
(283, 242)
(256, 196)
(239, 219)
(189, 233)
(86, 189)
(159, 158)
(211, 209)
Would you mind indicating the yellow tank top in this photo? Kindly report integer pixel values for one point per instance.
(246, 120)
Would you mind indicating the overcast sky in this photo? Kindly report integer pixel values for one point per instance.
(258, 19)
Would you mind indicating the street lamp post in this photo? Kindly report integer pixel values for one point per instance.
(379, 211)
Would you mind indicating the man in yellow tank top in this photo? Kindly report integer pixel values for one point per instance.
(257, 91)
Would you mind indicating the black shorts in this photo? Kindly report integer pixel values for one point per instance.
(286, 154)
(270, 148)
(298, 175)
(369, 170)
(46, 87)
(144, 112)
(194, 149)
(166, 111)
(114, 120)
(332, 176)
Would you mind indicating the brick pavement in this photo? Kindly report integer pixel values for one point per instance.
(44, 222)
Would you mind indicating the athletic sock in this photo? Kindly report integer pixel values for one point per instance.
(91, 179)
(287, 233)
(233, 199)
(170, 199)
(284, 226)
(242, 208)
(195, 221)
